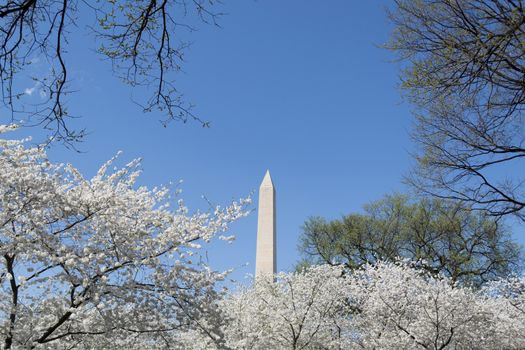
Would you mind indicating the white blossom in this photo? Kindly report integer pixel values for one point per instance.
(87, 261)
(382, 306)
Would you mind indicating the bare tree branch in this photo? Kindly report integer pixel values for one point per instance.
(142, 39)
(466, 78)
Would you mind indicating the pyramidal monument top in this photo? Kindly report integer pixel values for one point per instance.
(265, 260)
(267, 180)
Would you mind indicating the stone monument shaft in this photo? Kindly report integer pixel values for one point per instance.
(265, 261)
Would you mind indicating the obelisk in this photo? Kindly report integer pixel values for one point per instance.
(265, 261)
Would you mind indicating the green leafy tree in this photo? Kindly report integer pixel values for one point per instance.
(464, 70)
(447, 237)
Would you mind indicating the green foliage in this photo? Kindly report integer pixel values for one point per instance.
(468, 246)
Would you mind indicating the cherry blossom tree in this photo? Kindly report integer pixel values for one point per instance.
(292, 311)
(103, 263)
(381, 306)
(513, 291)
(402, 307)
(100, 262)
(297, 311)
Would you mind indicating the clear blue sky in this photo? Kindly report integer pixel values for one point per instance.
(299, 87)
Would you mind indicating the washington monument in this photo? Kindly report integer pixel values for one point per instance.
(265, 262)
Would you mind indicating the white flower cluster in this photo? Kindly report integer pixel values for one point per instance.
(382, 306)
(104, 264)
(97, 261)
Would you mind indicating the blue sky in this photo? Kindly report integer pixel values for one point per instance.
(298, 87)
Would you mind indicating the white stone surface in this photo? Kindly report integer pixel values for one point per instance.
(265, 261)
